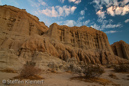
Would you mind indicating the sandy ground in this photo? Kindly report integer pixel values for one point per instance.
(63, 79)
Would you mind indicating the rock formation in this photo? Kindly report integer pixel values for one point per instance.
(32, 40)
(81, 37)
(121, 49)
(18, 20)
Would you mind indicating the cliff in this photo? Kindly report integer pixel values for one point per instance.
(80, 37)
(121, 49)
(24, 38)
(18, 20)
(16, 25)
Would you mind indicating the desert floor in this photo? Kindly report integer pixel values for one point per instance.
(64, 79)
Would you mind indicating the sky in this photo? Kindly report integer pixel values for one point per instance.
(109, 16)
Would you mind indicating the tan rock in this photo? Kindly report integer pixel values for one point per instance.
(9, 59)
(14, 19)
(80, 37)
(33, 41)
(121, 49)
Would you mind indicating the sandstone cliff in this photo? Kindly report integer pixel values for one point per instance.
(63, 50)
(80, 37)
(31, 39)
(16, 25)
(18, 20)
(121, 49)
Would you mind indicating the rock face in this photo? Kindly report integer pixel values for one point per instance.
(16, 25)
(18, 20)
(121, 49)
(81, 37)
(32, 40)
(9, 59)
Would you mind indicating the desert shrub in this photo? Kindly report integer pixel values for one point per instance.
(29, 70)
(112, 75)
(122, 68)
(53, 66)
(93, 71)
(74, 68)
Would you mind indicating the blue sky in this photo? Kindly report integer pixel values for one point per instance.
(109, 16)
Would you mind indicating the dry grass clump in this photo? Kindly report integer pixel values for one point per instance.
(29, 72)
(122, 68)
(9, 70)
(101, 81)
(91, 80)
(93, 71)
(34, 77)
(52, 70)
(68, 71)
(112, 75)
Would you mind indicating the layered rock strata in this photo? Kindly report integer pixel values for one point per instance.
(121, 49)
(31, 39)
(81, 37)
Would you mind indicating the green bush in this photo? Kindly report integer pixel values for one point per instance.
(93, 71)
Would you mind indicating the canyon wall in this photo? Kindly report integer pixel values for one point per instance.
(81, 37)
(121, 49)
(30, 39)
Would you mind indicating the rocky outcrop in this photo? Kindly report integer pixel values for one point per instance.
(16, 25)
(31, 40)
(121, 49)
(80, 37)
(18, 20)
(64, 52)
(9, 59)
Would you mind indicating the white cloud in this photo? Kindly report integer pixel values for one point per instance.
(58, 11)
(110, 11)
(42, 2)
(73, 9)
(108, 3)
(82, 12)
(101, 14)
(75, 1)
(62, 1)
(100, 20)
(80, 18)
(112, 25)
(37, 4)
(105, 25)
(69, 23)
(72, 23)
(86, 22)
(127, 20)
(95, 26)
(118, 10)
(111, 31)
(113, 10)
(113, 7)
